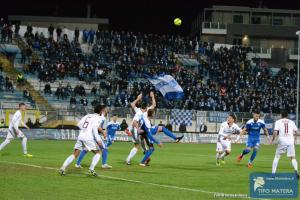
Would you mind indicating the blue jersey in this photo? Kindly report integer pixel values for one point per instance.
(254, 127)
(112, 127)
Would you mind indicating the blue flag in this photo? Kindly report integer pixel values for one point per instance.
(167, 86)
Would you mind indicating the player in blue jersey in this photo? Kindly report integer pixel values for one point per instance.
(112, 127)
(253, 127)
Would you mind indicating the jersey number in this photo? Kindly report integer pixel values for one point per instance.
(286, 129)
(86, 123)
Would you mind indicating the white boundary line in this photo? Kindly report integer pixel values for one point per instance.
(216, 194)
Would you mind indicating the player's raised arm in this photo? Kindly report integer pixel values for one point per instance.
(241, 132)
(153, 100)
(133, 104)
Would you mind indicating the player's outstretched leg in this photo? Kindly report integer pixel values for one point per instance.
(95, 161)
(24, 146)
(104, 159)
(146, 156)
(223, 155)
(169, 133)
(245, 152)
(219, 153)
(80, 158)
(68, 161)
(275, 163)
(295, 165)
(4, 143)
(132, 153)
(254, 153)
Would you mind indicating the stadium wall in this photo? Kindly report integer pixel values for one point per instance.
(71, 134)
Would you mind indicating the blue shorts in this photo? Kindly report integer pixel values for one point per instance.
(253, 142)
(153, 130)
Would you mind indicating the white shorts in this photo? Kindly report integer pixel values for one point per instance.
(288, 149)
(223, 145)
(12, 134)
(89, 145)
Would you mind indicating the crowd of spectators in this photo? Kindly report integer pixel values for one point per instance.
(225, 80)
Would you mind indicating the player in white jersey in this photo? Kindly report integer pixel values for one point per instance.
(13, 130)
(286, 131)
(88, 139)
(224, 138)
(134, 129)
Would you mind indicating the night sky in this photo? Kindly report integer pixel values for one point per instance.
(154, 16)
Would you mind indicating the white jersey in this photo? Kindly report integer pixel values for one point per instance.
(286, 129)
(140, 115)
(226, 131)
(89, 125)
(14, 123)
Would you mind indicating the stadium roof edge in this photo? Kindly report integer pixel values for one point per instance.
(249, 9)
(50, 19)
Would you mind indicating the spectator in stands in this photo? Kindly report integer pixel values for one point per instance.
(60, 92)
(85, 35)
(26, 93)
(58, 33)
(9, 32)
(73, 102)
(17, 29)
(76, 34)
(94, 90)
(84, 101)
(9, 85)
(123, 125)
(1, 81)
(3, 33)
(29, 123)
(51, 30)
(182, 127)
(37, 123)
(2, 123)
(161, 124)
(47, 89)
(91, 36)
(20, 79)
(169, 126)
(98, 34)
(95, 102)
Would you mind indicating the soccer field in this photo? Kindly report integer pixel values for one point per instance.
(177, 171)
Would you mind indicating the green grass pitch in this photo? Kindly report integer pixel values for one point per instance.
(177, 171)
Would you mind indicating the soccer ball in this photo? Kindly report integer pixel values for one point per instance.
(177, 21)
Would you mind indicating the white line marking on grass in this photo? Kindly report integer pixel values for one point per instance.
(216, 194)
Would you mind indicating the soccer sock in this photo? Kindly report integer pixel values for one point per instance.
(6, 142)
(68, 161)
(246, 151)
(169, 133)
(81, 156)
(104, 156)
(109, 142)
(147, 155)
(24, 145)
(275, 163)
(95, 160)
(254, 153)
(218, 155)
(132, 154)
(295, 164)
